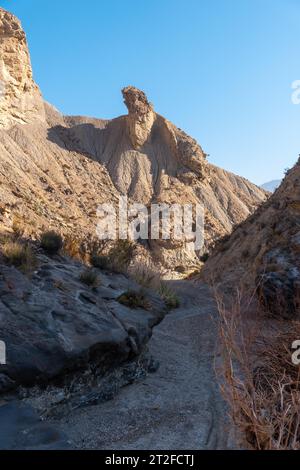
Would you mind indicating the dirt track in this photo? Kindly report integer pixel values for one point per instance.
(179, 406)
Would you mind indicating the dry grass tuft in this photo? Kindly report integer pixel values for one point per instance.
(72, 247)
(145, 274)
(121, 255)
(90, 278)
(19, 254)
(135, 299)
(169, 296)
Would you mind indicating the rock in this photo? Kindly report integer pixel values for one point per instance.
(56, 170)
(52, 331)
(6, 383)
(141, 116)
(89, 389)
(20, 100)
(278, 294)
(262, 254)
(22, 429)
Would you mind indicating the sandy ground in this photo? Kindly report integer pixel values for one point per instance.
(179, 406)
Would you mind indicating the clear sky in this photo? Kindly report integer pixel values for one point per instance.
(221, 70)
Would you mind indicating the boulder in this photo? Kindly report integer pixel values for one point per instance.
(22, 429)
(53, 324)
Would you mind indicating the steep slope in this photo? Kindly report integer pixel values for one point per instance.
(264, 251)
(56, 170)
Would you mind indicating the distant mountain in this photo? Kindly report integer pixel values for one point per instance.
(55, 170)
(271, 185)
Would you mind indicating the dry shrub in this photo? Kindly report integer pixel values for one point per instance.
(90, 278)
(145, 274)
(51, 242)
(72, 247)
(19, 255)
(18, 225)
(168, 295)
(135, 299)
(260, 382)
(83, 249)
(99, 261)
(121, 255)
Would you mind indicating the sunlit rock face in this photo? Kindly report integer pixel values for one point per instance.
(56, 170)
(262, 254)
(20, 98)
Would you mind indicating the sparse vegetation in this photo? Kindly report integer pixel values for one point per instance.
(121, 255)
(18, 225)
(135, 300)
(90, 278)
(99, 261)
(51, 242)
(84, 249)
(146, 275)
(260, 382)
(19, 255)
(72, 247)
(169, 296)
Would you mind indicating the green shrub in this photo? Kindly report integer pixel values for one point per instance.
(134, 300)
(89, 277)
(19, 255)
(51, 242)
(170, 297)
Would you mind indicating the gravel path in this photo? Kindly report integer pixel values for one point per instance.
(179, 406)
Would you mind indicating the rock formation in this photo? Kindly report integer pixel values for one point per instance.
(55, 170)
(263, 252)
(140, 117)
(54, 324)
(20, 98)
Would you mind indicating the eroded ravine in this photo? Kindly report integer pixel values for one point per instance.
(179, 406)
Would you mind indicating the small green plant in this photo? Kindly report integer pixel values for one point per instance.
(89, 277)
(51, 242)
(99, 261)
(170, 297)
(134, 300)
(19, 255)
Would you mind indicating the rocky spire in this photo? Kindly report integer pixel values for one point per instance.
(141, 115)
(20, 98)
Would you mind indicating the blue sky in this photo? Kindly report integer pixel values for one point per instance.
(219, 69)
